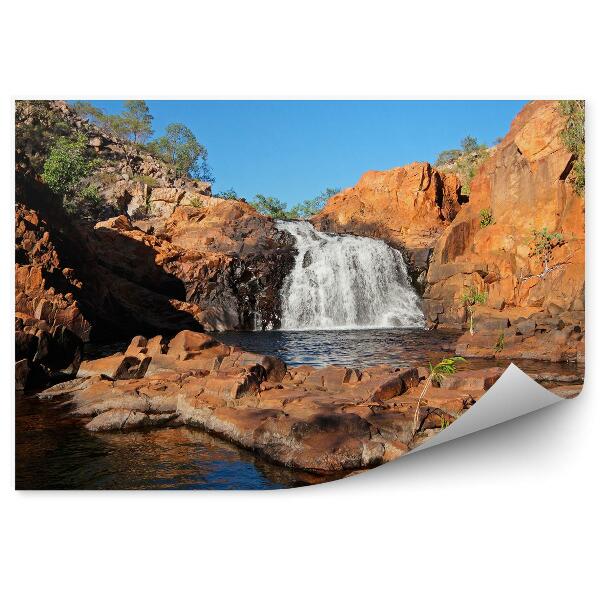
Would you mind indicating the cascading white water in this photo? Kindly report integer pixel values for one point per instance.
(346, 282)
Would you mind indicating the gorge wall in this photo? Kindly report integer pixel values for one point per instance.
(534, 302)
(160, 253)
(407, 207)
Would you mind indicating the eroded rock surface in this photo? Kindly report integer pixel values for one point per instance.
(408, 207)
(525, 187)
(327, 419)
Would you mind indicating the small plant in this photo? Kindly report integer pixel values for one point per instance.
(447, 366)
(151, 182)
(229, 194)
(486, 217)
(196, 202)
(499, 346)
(444, 422)
(543, 243)
(470, 299)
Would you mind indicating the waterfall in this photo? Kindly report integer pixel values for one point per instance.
(346, 282)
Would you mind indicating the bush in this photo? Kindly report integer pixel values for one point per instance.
(486, 217)
(573, 137)
(465, 162)
(543, 243)
(196, 202)
(229, 194)
(67, 165)
(267, 205)
(151, 182)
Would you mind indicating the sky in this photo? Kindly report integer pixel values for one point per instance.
(293, 150)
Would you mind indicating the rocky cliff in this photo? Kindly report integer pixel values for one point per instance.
(408, 207)
(527, 258)
(161, 254)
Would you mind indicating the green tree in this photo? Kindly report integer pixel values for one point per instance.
(469, 144)
(88, 111)
(308, 208)
(66, 166)
(447, 366)
(267, 205)
(137, 120)
(180, 148)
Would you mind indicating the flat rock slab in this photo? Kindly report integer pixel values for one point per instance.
(326, 419)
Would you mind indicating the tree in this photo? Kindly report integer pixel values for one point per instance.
(447, 366)
(543, 243)
(180, 148)
(469, 144)
(267, 205)
(88, 111)
(66, 166)
(470, 299)
(137, 120)
(308, 208)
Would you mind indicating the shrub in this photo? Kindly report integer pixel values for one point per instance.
(470, 299)
(151, 182)
(464, 162)
(486, 217)
(499, 346)
(543, 243)
(267, 205)
(229, 194)
(196, 202)
(67, 165)
(573, 137)
(447, 366)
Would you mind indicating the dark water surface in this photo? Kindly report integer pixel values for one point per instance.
(54, 451)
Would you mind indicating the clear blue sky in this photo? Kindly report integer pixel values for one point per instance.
(295, 149)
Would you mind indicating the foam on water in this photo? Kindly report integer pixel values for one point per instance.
(346, 282)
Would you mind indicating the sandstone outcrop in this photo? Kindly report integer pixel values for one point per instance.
(408, 207)
(169, 256)
(327, 419)
(524, 186)
(44, 353)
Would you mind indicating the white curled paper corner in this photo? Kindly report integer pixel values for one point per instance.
(513, 395)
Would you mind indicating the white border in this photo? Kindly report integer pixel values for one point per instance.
(507, 513)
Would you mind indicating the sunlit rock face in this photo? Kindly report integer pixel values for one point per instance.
(525, 187)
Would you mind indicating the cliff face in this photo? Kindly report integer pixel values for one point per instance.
(524, 186)
(408, 207)
(161, 255)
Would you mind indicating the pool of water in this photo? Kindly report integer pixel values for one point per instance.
(54, 451)
(361, 348)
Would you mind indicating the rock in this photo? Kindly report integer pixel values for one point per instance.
(525, 185)
(567, 391)
(472, 380)
(21, 374)
(313, 419)
(408, 207)
(116, 367)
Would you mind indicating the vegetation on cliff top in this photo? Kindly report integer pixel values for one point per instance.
(573, 136)
(464, 161)
(276, 209)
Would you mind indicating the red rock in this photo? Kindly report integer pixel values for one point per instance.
(524, 184)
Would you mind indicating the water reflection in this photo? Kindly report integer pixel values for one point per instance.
(54, 452)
